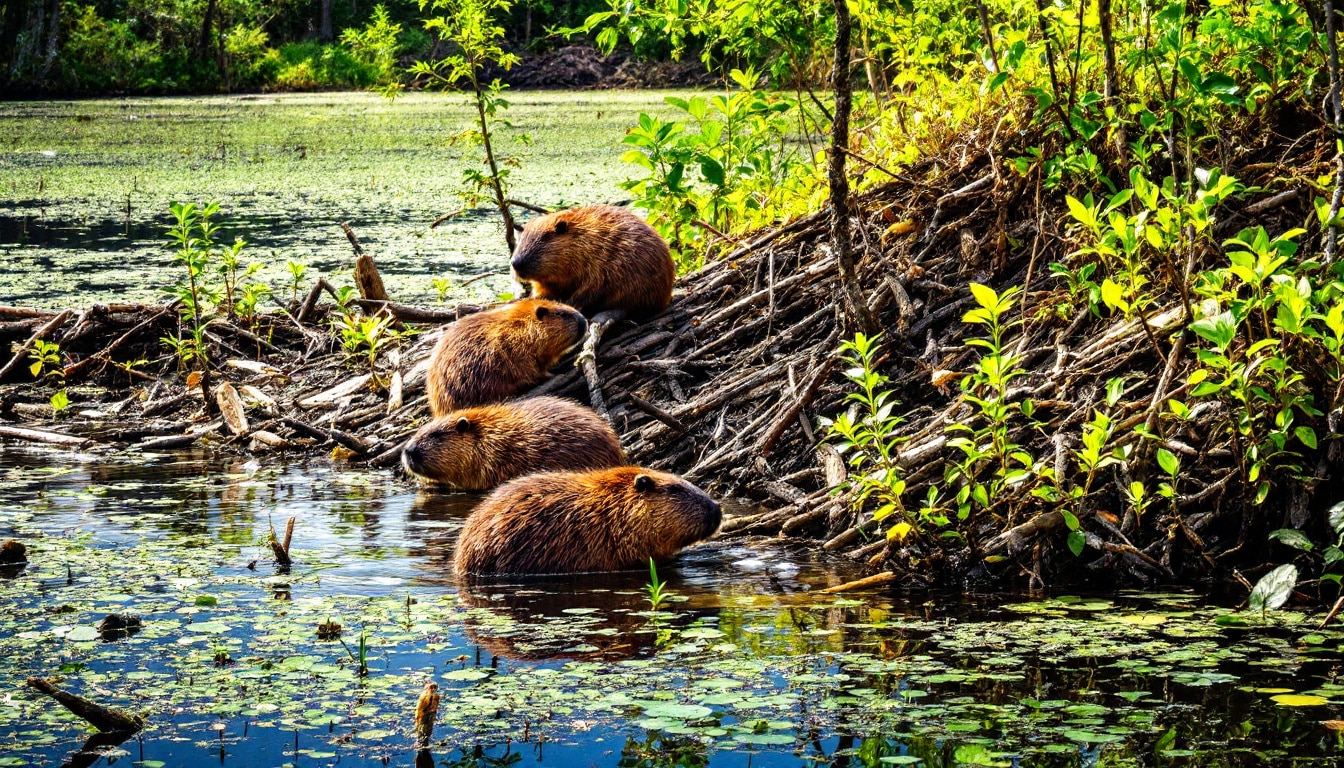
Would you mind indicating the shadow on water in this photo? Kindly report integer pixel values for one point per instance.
(747, 664)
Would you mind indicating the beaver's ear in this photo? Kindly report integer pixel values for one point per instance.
(561, 227)
(542, 312)
(643, 483)
(463, 425)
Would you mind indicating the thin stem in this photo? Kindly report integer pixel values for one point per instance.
(495, 184)
(1335, 109)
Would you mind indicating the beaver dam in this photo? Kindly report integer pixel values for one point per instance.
(1055, 434)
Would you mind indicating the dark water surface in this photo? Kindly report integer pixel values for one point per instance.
(749, 665)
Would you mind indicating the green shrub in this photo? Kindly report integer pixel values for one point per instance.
(313, 65)
(105, 55)
(376, 45)
(252, 62)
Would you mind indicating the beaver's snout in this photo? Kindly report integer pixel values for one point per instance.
(523, 264)
(413, 458)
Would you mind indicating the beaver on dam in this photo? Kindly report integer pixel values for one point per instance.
(596, 258)
(476, 449)
(577, 522)
(494, 355)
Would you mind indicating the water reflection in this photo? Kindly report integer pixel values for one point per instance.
(757, 670)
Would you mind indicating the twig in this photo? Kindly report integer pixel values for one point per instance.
(281, 548)
(40, 333)
(528, 206)
(446, 217)
(41, 436)
(885, 577)
(587, 359)
(804, 400)
(655, 411)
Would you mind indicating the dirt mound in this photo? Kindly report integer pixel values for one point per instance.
(574, 66)
(582, 66)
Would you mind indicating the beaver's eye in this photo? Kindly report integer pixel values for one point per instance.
(542, 312)
(643, 483)
(463, 425)
(561, 227)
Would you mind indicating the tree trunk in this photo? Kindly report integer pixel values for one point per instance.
(856, 309)
(325, 29)
(202, 45)
(53, 39)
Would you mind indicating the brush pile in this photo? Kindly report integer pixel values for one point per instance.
(726, 388)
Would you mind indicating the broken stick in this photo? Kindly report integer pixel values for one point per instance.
(587, 359)
(103, 718)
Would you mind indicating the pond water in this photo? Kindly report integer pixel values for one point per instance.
(85, 185)
(748, 664)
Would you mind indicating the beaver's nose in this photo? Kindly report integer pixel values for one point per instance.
(520, 263)
(412, 457)
(715, 516)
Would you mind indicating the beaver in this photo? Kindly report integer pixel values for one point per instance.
(577, 522)
(596, 258)
(476, 449)
(494, 355)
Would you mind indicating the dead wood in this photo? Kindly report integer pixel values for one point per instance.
(106, 719)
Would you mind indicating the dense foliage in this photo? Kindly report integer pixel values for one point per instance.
(69, 47)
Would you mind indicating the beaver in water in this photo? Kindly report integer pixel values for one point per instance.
(596, 258)
(497, 354)
(578, 522)
(476, 449)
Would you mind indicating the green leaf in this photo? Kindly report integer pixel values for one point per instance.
(712, 171)
(1336, 517)
(82, 634)
(1112, 295)
(1219, 329)
(1306, 435)
(60, 401)
(467, 674)
(1293, 538)
(1168, 461)
(1077, 540)
(985, 296)
(1274, 588)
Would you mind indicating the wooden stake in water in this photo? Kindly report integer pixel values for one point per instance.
(426, 712)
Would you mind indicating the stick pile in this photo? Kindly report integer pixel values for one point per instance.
(727, 386)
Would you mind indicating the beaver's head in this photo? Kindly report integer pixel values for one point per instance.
(448, 449)
(552, 327)
(548, 242)
(679, 510)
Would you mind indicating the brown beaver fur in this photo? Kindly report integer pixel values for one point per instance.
(577, 522)
(476, 449)
(494, 355)
(596, 258)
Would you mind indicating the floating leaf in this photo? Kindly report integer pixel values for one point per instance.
(467, 674)
(1274, 588)
(82, 634)
(1299, 700)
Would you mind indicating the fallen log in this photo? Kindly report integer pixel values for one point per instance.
(106, 719)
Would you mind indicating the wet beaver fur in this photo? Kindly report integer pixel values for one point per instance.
(476, 449)
(578, 522)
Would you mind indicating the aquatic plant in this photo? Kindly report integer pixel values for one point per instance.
(472, 28)
(657, 590)
(869, 434)
(48, 368)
